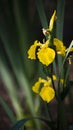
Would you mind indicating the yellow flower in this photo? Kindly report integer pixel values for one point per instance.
(36, 86)
(47, 93)
(44, 89)
(32, 50)
(53, 18)
(60, 48)
(70, 49)
(45, 54)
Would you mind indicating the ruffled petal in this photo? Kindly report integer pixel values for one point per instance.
(36, 86)
(47, 93)
(46, 55)
(32, 50)
(60, 48)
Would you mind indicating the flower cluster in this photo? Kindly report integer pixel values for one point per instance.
(44, 89)
(46, 52)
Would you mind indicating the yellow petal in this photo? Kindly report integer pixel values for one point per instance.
(49, 80)
(54, 77)
(53, 18)
(60, 48)
(47, 93)
(71, 49)
(36, 86)
(46, 56)
(32, 50)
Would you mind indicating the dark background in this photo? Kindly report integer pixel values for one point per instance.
(33, 25)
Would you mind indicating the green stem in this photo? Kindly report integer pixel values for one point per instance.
(59, 33)
(59, 30)
(61, 119)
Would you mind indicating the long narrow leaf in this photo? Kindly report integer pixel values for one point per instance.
(7, 110)
(9, 37)
(23, 121)
(11, 88)
(41, 12)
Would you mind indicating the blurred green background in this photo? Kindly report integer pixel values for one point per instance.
(20, 25)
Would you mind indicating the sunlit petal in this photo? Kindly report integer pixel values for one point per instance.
(47, 93)
(60, 48)
(46, 56)
(52, 20)
(32, 50)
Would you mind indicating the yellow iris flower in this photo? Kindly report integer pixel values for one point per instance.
(45, 54)
(32, 50)
(47, 93)
(60, 48)
(44, 89)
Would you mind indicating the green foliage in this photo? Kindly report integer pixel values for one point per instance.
(7, 110)
(17, 71)
(22, 122)
(14, 65)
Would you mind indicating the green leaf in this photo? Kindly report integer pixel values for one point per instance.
(60, 18)
(41, 12)
(69, 48)
(66, 90)
(7, 110)
(20, 123)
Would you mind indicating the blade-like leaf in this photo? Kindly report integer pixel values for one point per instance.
(41, 12)
(66, 90)
(7, 110)
(23, 121)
